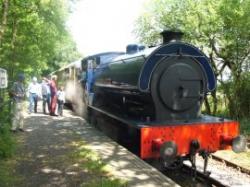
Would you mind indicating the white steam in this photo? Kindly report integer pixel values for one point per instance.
(75, 95)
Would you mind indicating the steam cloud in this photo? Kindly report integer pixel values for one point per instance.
(75, 95)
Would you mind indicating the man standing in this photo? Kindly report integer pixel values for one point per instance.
(18, 93)
(46, 95)
(34, 91)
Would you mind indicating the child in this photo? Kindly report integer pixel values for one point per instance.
(60, 100)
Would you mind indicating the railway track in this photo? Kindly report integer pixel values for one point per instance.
(231, 164)
(205, 179)
(222, 176)
(184, 176)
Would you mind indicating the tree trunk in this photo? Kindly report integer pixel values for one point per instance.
(207, 106)
(12, 67)
(4, 18)
(215, 102)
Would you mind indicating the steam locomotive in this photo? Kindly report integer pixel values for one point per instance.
(157, 94)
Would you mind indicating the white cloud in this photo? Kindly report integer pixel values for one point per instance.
(104, 25)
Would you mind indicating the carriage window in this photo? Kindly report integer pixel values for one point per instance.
(66, 74)
(92, 63)
(66, 71)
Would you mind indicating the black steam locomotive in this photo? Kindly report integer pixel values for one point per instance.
(163, 83)
(157, 93)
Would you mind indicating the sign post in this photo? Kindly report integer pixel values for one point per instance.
(3, 78)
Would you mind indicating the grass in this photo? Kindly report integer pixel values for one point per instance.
(7, 144)
(8, 160)
(98, 172)
(105, 182)
(6, 141)
(6, 173)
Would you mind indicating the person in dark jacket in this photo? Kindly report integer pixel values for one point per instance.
(18, 96)
(46, 94)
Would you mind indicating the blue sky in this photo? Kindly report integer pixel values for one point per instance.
(104, 25)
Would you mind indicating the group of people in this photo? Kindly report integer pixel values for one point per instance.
(51, 96)
(47, 90)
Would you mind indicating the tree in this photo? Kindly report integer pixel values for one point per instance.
(4, 12)
(33, 36)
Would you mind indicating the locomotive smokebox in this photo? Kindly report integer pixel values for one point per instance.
(171, 36)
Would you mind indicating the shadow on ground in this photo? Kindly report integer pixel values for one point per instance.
(54, 151)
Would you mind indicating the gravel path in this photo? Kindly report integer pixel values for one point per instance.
(43, 159)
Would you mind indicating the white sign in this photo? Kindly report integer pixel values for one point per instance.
(3, 78)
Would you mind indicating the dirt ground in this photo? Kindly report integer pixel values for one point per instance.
(44, 155)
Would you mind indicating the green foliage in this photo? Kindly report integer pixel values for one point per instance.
(193, 17)
(245, 126)
(6, 141)
(35, 39)
(238, 94)
(6, 173)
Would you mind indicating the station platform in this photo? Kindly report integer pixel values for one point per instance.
(123, 163)
(41, 157)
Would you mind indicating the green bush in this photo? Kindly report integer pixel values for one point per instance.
(245, 126)
(6, 140)
(237, 93)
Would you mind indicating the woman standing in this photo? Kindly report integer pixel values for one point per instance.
(53, 91)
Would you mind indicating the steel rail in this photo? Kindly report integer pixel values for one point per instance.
(200, 176)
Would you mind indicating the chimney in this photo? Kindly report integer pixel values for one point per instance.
(171, 36)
